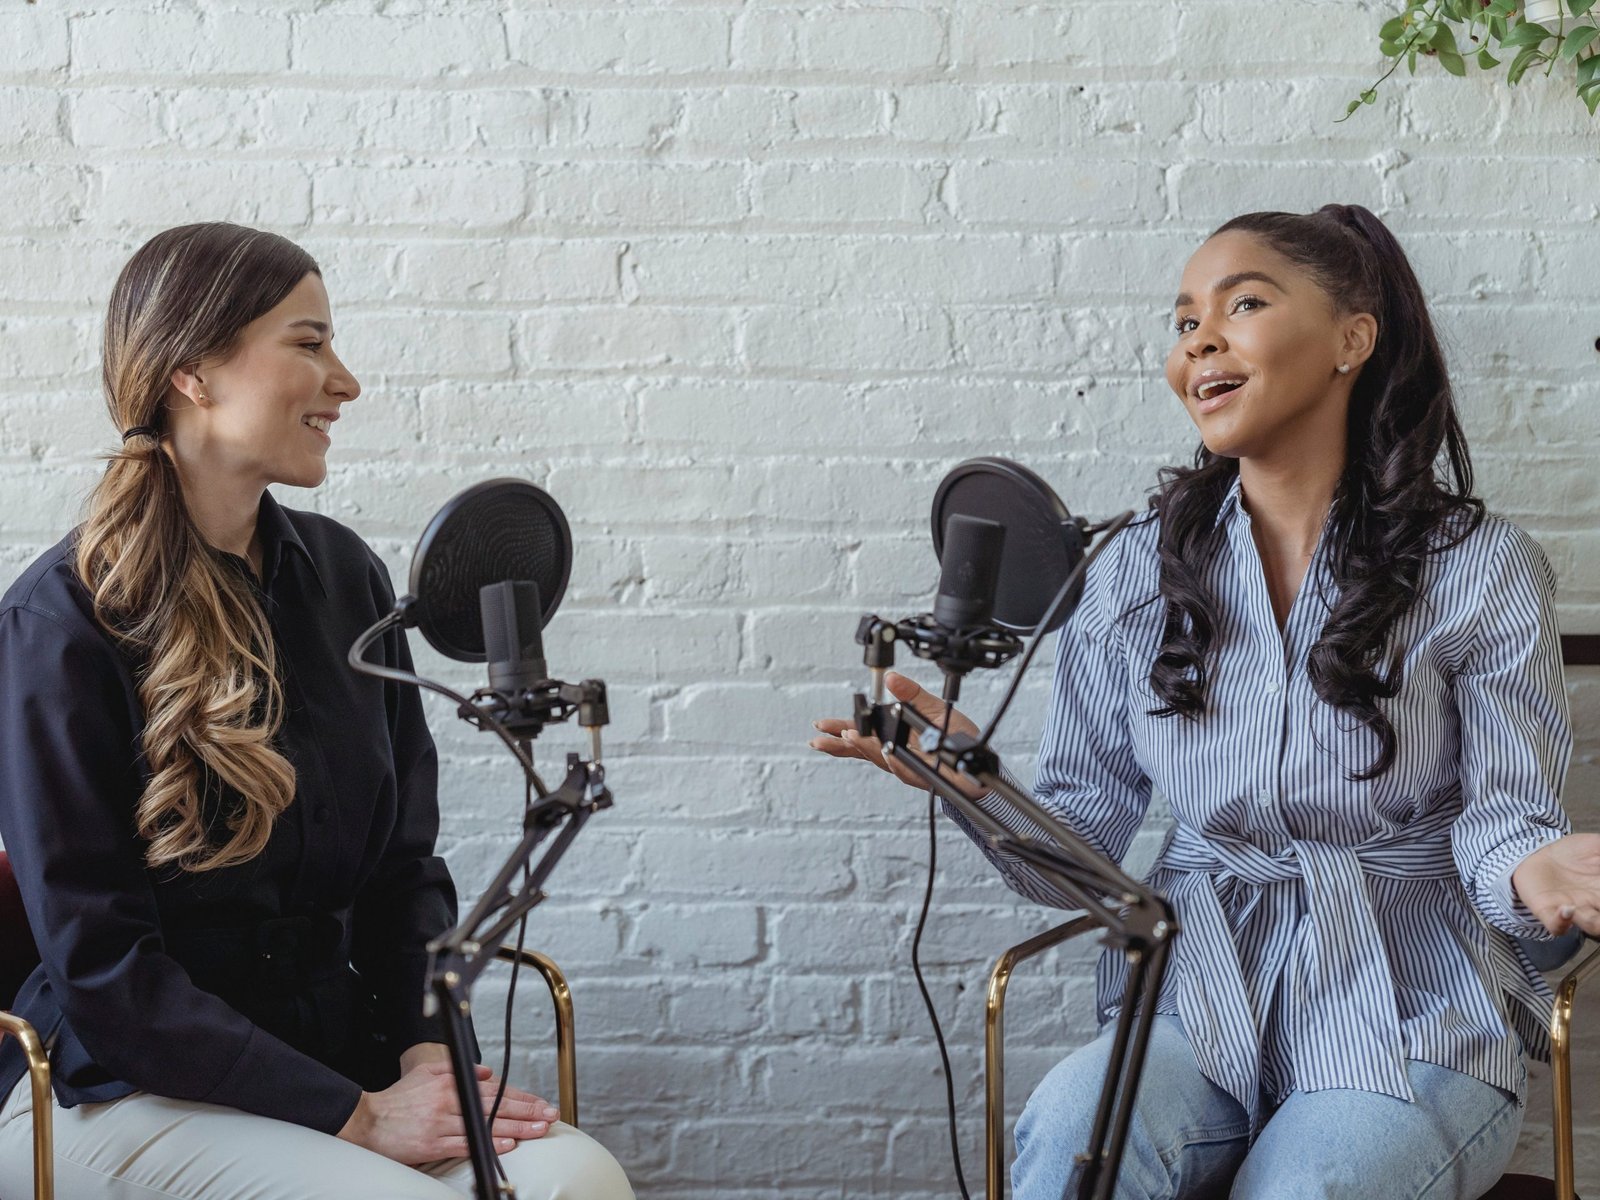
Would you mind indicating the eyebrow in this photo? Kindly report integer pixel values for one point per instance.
(321, 328)
(1230, 281)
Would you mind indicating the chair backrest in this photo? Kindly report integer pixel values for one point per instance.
(18, 954)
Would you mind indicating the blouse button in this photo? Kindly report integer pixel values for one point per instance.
(1274, 687)
(1264, 797)
(320, 814)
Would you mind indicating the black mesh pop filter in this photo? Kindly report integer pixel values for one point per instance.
(1043, 542)
(494, 531)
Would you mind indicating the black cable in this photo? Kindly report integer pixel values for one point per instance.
(1112, 528)
(397, 618)
(511, 994)
(916, 965)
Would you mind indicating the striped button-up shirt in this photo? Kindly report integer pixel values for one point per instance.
(1331, 929)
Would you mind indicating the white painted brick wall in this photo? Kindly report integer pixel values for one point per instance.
(738, 282)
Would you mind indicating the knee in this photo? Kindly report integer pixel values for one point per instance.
(566, 1164)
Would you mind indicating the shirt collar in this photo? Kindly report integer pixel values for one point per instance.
(1230, 502)
(279, 536)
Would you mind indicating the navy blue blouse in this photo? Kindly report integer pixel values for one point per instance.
(283, 986)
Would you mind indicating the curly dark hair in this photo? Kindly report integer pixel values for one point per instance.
(1406, 490)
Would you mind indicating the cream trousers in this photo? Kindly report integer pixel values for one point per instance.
(146, 1147)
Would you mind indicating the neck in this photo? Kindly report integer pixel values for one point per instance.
(223, 508)
(1289, 502)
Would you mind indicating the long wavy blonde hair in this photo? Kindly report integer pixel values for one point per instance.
(206, 665)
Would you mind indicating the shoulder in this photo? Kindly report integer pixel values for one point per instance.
(1125, 574)
(49, 586)
(51, 611)
(1495, 554)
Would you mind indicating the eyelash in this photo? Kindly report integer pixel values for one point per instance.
(312, 346)
(1178, 325)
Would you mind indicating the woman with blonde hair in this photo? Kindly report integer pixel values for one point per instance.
(223, 835)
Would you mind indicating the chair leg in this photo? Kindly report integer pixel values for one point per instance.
(1561, 1073)
(994, 1121)
(44, 1166)
(566, 1037)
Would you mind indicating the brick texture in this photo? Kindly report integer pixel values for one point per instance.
(739, 282)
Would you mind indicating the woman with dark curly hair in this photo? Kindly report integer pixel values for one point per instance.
(1345, 679)
(224, 836)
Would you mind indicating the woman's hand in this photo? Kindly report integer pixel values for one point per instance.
(1560, 883)
(418, 1118)
(840, 739)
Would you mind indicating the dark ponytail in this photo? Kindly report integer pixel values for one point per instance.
(1406, 491)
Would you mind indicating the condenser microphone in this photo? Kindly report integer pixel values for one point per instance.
(513, 634)
(969, 571)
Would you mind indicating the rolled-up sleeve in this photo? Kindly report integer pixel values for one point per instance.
(1516, 733)
(69, 784)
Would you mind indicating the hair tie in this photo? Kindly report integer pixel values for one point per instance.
(140, 431)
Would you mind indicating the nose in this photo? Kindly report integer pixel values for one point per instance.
(341, 382)
(1202, 340)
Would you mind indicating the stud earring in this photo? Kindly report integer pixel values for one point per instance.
(1344, 368)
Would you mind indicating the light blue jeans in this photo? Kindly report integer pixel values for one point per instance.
(1189, 1138)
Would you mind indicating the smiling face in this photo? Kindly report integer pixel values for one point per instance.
(265, 412)
(1257, 351)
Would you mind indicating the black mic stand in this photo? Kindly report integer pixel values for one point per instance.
(1137, 919)
(517, 716)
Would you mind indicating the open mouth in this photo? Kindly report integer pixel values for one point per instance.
(1218, 387)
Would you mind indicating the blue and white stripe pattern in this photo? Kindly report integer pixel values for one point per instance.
(1331, 929)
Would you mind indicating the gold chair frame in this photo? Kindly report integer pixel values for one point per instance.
(566, 1036)
(994, 1056)
(44, 1185)
(44, 1162)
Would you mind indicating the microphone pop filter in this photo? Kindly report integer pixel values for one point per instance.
(1042, 542)
(498, 530)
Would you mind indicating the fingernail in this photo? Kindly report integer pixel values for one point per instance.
(551, 1111)
(1569, 911)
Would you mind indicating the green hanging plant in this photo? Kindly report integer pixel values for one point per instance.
(1528, 32)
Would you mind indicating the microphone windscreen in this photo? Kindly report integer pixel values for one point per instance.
(969, 571)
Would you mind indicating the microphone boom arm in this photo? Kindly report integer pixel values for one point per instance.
(1136, 918)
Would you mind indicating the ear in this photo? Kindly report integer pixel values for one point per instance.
(1358, 339)
(187, 380)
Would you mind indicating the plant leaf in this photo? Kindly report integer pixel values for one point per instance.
(1572, 45)
(1452, 62)
(1527, 34)
(1579, 7)
(1487, 60)
(1589, 71)
(1393, 29)
(1526, 57)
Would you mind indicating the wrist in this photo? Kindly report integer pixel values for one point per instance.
(423, 1052)
(358, 1126)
